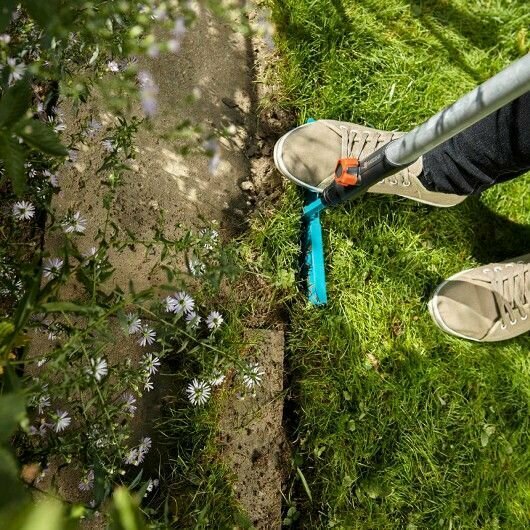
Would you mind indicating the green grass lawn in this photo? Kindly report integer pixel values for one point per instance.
(397, 425)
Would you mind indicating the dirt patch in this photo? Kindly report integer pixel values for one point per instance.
(252, 438)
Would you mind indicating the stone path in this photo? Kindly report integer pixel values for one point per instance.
(217, 65)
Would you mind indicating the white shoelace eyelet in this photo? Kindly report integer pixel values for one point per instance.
(486, 271)
(524, 318)
(497, 269)
(513, 322)
(503, 326)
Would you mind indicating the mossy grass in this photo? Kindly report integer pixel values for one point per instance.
(398, 425)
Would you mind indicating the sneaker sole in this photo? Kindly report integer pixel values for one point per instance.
(435, 314)
(278, 161)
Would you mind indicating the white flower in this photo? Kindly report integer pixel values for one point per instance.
(98, 368)
(198, 392)
(41, 430)
(23, 210)
(87, 483)
(170, 304)
(17, 70)
(74, 223)
(42, 361)
(214, 320)
(147, 336)
(129, 403)
(193, 319)
(132, 457)
(148, 384)
(62, 421)
(253, 376)
(217, 378)
(145, 445)
(108, 145)
(113, 66)
(209, 237)
(5, 38)
(134, 324)
(148, 92)
(52, 267)
(93, 127)
(183, 302)
(44, 402)
(90, 253)
(52, 178)
(151, 363)
(151, 484)
(196, 266)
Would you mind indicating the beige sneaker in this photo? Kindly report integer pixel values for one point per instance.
(486, 304)
(308, 156)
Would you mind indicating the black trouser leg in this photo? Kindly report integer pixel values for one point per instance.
(495, 149)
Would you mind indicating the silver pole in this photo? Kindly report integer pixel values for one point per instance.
(491, 95)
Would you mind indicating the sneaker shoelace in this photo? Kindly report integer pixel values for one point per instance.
(353, 143)
(511, 289)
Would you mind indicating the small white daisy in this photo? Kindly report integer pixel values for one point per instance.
(42, 361)
(209, 237)
(98, 368)
(87, 483)
(44, 402)
(62, 421)
(151, 485)
(151, 363)
(253, 375)
(170, 304)
(184, 303)
(129, 403)
(113, 66)
(132, 456)
(108, 145)
(145, 445)
(147, 336)
(193, 319)
(52, 178)
(214, 320)
(198, 392)
(93, 127)
(148, 384)
(196, 266)
(134, 324)
(23, 210)
(17, 70)
(217, 378)
(74, 223)
(52, 267)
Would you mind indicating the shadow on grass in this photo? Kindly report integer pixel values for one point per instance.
(495, 237)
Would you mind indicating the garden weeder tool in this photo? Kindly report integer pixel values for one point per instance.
(353, 177)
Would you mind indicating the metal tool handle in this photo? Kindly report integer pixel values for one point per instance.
(488, 97)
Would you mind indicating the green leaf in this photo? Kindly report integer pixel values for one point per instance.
(14, 103)
(6, 10)
(304, 483)
(46, 515)
(125, 513)
(44, 12)
(11, 490)
(70, 307)
(42, 137)
(12, 155)
(12, 411)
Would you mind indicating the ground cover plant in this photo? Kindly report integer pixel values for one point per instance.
(78, 351)
(395, 424)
